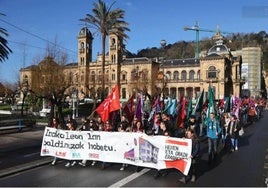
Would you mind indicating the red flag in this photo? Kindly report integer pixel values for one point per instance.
(114, 99)
(110, 104)
(181, 113)
(128, 108)
(139, 108)
(103, 110)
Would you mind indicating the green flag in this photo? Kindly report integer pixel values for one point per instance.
(211, 100)
(189, 108)
(211, 108)
(199, 103)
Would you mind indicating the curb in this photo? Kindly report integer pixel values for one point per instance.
(23, 167)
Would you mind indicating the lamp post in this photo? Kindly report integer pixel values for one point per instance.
(74, 103)
(218, 81)
(24, 89)
(138, 78)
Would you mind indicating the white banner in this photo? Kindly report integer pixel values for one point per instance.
(138, 149)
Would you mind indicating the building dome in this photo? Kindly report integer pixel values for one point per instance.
(85, 32)
(219, 48)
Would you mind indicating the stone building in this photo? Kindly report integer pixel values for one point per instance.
(175, 77)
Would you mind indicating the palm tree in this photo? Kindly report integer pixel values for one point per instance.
(107, 21)
(4, 49)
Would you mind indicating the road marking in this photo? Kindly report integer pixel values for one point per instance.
(129, 178)
(31, 154)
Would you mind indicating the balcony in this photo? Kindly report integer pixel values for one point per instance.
(81, 50)
(112, 47)
(179, 80)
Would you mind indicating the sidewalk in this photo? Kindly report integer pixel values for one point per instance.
(22, 139)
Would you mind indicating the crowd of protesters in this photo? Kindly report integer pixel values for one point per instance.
(220, 127)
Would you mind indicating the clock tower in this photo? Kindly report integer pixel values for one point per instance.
(85, 40)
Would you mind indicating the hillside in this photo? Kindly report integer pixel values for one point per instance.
(186, 49)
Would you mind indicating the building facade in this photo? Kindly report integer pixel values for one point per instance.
(169, 77)
(252, 69)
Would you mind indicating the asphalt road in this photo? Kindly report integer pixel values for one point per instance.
(21, 165)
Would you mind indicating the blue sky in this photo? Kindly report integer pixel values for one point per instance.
(150, 21)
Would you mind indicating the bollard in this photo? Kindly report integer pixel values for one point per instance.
(20, 127)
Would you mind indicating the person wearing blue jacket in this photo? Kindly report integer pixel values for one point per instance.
(213, 132)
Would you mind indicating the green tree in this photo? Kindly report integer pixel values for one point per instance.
(107, 21)
(4, 49)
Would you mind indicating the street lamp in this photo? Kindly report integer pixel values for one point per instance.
(138, 78)
(75, 103)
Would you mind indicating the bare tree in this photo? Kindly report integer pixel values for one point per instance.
(51, 85)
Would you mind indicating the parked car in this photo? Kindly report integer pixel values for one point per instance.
(44, 112)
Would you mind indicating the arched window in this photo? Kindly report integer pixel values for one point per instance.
(176, 75)
(168, 75)
(114, 59)
(191, 75)
(212, 72)
(113, 75)
(124, 76)
(82, 45)
(113, 41)
(198, 75)
(25, 80)
(183, 75)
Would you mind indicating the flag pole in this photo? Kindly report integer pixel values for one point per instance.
(92, 114)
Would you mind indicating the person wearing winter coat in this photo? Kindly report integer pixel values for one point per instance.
(213, 132)
(191, 134)
(233, 132)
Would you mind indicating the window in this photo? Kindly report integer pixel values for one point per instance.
(124, 77)
(93, 76)
(191, 75)
(82, 60)
(113, 75)
(113, 41)
(168, 75)
(212, 72)
(183, 75)
(25, 80)
(198, 74)
(176, 75)
(100, 76)
(124, 93)
(82, 47)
